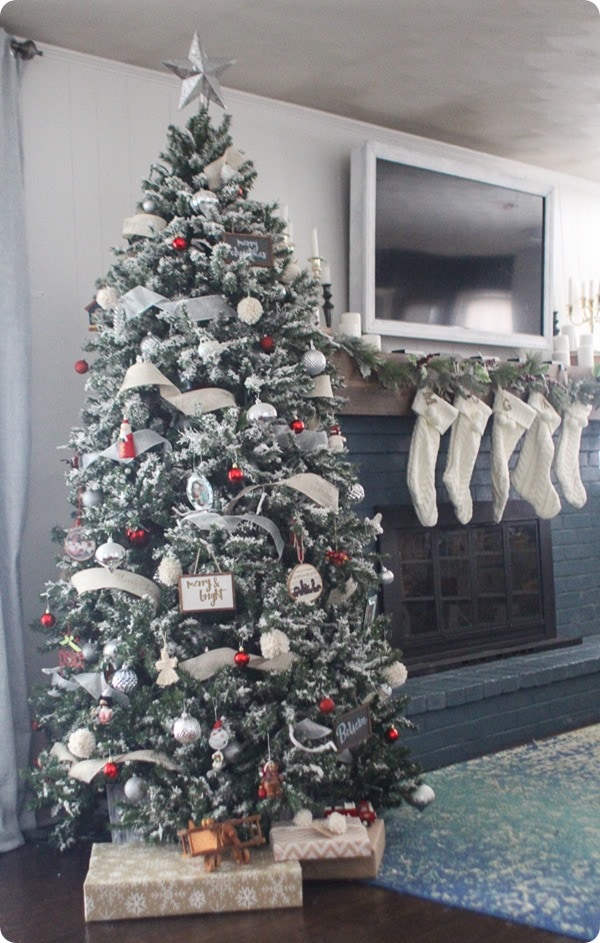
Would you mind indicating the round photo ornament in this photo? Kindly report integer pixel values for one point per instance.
(304, 584)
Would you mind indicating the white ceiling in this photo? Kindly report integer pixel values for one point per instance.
(517, 78)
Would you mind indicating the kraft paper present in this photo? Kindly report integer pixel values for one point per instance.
(350, 869)
(128, 882)
(289, 842)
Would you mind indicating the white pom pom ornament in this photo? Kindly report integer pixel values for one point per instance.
(249, 310)
(169, 571)
(107, 298)
(82, 743)
(274, 643)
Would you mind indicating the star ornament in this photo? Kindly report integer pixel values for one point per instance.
(200, 74)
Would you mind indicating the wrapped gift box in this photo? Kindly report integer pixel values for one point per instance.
(350, 869)
(291, 843)
(126, 882)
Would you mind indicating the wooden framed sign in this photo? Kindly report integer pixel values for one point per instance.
(206, 592)
(352, 728)
(255, 249)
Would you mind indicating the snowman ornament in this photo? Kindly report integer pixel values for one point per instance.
(218, 740)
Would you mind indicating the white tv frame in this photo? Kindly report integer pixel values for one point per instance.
(457, 162)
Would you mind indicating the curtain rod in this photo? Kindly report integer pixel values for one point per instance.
(24, 49)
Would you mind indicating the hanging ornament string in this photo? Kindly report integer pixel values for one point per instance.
(298, 543)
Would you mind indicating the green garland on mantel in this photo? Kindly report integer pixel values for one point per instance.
(448, 376)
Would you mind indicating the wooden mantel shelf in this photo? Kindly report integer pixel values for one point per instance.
(366, 397)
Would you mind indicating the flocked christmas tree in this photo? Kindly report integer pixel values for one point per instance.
(208, 620)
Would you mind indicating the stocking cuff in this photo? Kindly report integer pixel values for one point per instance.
(475, 410)
(545, 411)
(436, 411)
(510, 407)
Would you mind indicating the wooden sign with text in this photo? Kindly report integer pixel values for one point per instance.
(206, 592)
(352, 728)
(255, 249)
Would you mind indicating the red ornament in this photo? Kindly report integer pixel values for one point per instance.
(137, 536)
(327, 705)
(81, 366)
(235, 474)
(261, 792)
(241, 658)
(47, 620)
(297, 426)
(179, 243)
(391, 734)
(111, 771)
(338, 557)
(267, 343)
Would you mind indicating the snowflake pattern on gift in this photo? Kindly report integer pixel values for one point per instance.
(197, 900)
(246, 897)
(168, 896)
(136, 903)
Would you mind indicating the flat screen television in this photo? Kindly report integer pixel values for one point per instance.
(450, 248)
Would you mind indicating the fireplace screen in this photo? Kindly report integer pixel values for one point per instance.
(465, 591)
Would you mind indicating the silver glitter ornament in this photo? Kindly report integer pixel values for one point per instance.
(124, 680)
(205, 202)
(90, 652)
(186, 729)
(356, 493)
(314, 362)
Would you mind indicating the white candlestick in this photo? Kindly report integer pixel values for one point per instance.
(586, 340)
(560, 343)
(373, 340)
(315, 244)
(585, 357)
(351, 324)
(569, 331)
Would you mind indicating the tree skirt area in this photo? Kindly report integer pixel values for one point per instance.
(515, 834)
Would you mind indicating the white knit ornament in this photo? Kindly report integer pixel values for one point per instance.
(434, 418)
(82, 743)
(465, 439)
(567, 453)
(303, 818)
(531, 475)
(395, 674)
(512, 417)
(249, 310)
(336, 823)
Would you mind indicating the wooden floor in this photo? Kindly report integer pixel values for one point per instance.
(41, 901)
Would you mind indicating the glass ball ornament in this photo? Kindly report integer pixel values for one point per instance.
(205, 202)
(81, 366)
(137, 536)
(110, 650)
(267, 343)
(327, 705)
(386, 576)
(261, 412)
(135, 789)
(235, 475)
(124, 680)
(241, 658)
(110, 555)
(314, 362)
(148, 206)
(111, 771)
(297, 426)
(186, 729)
(89, 650)
(180, 243)
(91, 498)
(47, 620)
(391, 734)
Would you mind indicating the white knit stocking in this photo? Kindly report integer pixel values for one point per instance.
(567, 453)
(531, 475)
(512, 417)
(434, 418)
(465, 439)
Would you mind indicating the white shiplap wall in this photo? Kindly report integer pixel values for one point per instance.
(91, 129)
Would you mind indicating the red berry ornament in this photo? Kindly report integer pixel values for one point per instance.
(267, 343)
(338, 557)
(47, 620)
(261, 792)
(82, 366)
(137, 536)
(179, 243)
(241, 658)
(111, 771)
(327, 705)
(391, 734)
(297, 426)
(235, 474)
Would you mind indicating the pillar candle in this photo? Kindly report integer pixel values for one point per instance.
(585, 357)
(351, 324)
(569, 331)
(373, 340)
(560, 343)
(586, 340)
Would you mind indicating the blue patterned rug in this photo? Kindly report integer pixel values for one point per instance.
(515, 835)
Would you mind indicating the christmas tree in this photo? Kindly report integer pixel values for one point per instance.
(208, 621)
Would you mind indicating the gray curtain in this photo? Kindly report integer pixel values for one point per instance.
(14, 453)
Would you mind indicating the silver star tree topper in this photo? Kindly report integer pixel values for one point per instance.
(200, 74)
